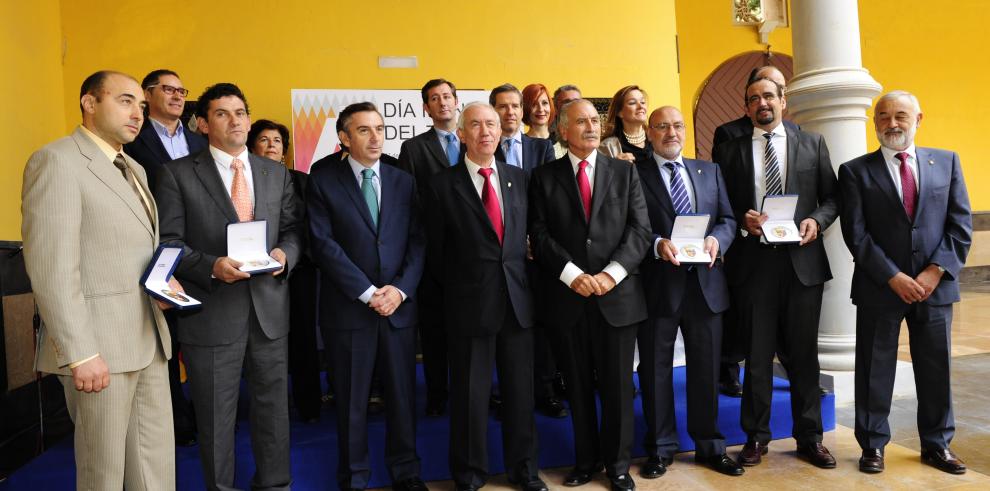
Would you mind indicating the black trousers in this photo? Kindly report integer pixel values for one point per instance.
(701, 329)
(304, 358)
(433, 339)
(929, 329)
(182, 410)
(471, 361)
(782, 315)
(593, 345)
(356, 355)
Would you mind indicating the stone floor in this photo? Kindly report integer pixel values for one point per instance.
(782, 470)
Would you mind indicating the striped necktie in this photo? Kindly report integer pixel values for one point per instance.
(678, 192)
(772, 175)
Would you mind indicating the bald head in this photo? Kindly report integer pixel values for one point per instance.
(770, 72)
(666, 132)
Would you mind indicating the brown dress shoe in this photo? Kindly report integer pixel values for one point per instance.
(944, 460)
(752, 453)
(817, 454)
(872, 461)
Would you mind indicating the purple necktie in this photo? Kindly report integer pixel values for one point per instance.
(908, 188)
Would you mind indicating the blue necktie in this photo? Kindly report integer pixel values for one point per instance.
(678, 193)
(370, 196)
(453, 149)
(510, 155)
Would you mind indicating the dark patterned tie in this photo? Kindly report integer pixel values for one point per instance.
(772, 176)
(678, 193)
(908, 187)
(129, 177)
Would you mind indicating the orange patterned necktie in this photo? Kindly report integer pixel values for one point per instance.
(239, 193)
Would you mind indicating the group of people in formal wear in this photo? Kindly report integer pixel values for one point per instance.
(526, 253)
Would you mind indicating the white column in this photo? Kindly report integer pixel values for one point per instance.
(829, 94)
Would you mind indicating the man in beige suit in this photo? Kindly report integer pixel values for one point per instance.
(90, 230)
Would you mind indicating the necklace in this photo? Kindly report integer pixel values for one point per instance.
(635, 139)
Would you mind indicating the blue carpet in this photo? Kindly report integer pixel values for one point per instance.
(314, 447)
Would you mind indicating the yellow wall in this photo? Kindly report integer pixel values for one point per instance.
(32, 114)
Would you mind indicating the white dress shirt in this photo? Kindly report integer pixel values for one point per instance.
(894, 166)
(223, 161)
(479, 181)
(759, 166)
(376, 182)
(571, 271)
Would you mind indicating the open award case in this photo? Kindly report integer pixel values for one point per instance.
(688, 236)
(247, 243)
(155, 279)
(779, 227)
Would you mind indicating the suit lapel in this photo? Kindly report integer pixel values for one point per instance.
(433, 143)
(464, 187)
(388, 187)
(149, 137)
(793, 141)
(877, 167)
(924, 177)
(508, 201)
(603, 179)
(700, 184)
(206, 170)
(347, 181)
(108, 173)
(653, 183)
(528, 157)
(568, 181)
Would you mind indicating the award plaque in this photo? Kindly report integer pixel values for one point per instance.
(155, 279)
(779, 227)
(688, 236)
(247, 243)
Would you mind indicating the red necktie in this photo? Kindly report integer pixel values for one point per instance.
(490, 200)
(908, 188)
(584, 187)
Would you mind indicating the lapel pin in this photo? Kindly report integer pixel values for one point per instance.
(264, 172)
(699, 171)
(931, 161)
(508, 184)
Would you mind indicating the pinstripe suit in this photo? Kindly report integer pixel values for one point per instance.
(87, 240)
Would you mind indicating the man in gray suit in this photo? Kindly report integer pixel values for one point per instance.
(89, 227)
(245, 319)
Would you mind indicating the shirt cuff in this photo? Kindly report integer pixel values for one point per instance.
(570, 273)
(366, 296)
(404, 297)
(84, 360)
(616, 271)
(656, 244)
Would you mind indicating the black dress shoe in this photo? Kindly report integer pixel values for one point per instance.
(622, 482)
(559, 387)
(466, 487)
(817, 454)
(411, 484)
(944, 460)
(752, 453)
(731, 388)
(872, 461)
(552, 407)
(653, 468)
(578, 477)
(722, 463)
(435, 407)
(376, 404)
(536, 484)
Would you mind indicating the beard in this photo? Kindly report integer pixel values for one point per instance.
(765, 117)
(896, 139)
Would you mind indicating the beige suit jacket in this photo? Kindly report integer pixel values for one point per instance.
(87, 242)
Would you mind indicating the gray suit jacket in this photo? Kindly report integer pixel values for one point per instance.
(87, 241)
(195, 210)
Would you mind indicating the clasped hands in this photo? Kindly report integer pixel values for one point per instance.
(385, 300)
(911, 290)
(587, 285)
(226, 269)
(754, 220)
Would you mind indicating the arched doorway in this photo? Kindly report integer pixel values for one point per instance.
(721, 97)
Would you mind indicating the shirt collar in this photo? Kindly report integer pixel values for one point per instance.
(777, 132)
(224, 158)
(660, 160)
(357, 167)
(517, 136)
(473, 168)
(443, 133)
(101, 144)
(161, 129)
(890, 155)
(575, 160)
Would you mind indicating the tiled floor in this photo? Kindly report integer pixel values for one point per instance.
(782, 470)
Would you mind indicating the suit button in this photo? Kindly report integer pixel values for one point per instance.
(587, 242)
(379, 242)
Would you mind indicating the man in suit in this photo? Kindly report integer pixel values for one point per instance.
(244, 322)
(90, 229)
(527, 153)
(779, 288)
(564, 94)
(692, 297)
(906, 220)
(733, 340)
(589, 228)
(423, 156)
(367, 240)
(477, 239)
(163, 138)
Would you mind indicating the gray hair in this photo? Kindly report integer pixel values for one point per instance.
(564, 88)
(564, 119)
(460, 117)
(896, 94)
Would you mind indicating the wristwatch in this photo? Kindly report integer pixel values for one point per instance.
(940, 269)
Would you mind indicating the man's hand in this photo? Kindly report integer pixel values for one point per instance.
(667, 251)
(753, 220)
(605, 281)
(278, 255)
(92, 376)
(225, 270)
(711, 247)
(385, 300)
(808, 230)
(906, 288)
(175, 286)
(928, 279)
(586, 285)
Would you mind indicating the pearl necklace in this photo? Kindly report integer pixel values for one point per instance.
(635, 139)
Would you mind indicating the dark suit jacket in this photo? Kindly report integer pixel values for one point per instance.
(341, 156)
(809, 175)
(422, 156)
(664, 282)
(480, 279)
(884, 241)
(535, 152)
(147, 150)
(619, 230)
(354, 254)
(194, 210)
(739, 127)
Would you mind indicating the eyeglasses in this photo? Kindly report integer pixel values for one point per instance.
(667, 126)
(169, 90)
